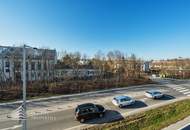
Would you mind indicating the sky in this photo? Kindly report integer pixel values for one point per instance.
(151, 29)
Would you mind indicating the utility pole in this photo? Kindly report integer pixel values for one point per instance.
(24, 126)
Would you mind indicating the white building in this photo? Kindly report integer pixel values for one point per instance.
(39, 63)
(80, 73)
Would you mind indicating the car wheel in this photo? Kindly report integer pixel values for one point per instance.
(120, 106)
(101, 115)
(81, 120)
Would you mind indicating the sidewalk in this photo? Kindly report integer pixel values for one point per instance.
(179, 125)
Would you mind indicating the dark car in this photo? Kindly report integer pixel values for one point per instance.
(89, 111)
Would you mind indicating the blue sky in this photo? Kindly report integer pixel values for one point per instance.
(152, 29)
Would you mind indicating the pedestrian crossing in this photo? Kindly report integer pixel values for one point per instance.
(181, 89)
(187, 92)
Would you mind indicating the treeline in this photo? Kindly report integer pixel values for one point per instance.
(44, 89)
(114, 64)
(115, 70)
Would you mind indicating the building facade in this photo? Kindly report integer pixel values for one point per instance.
(176, 68)
(39, 63)
(80, 73)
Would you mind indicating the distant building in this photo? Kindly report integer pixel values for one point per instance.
(39, 63)
(80, 73)
(146, 66)
(179, 68)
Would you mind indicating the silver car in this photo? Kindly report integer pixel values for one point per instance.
(122, 101)
(153, 94)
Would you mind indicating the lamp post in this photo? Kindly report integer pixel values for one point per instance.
(24, 121)
(24, 126)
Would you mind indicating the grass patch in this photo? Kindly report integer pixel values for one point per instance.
(155, 119)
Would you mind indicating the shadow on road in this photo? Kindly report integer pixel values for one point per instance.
(137, 104)
(110, 116)
(166, 97)
(9, 107)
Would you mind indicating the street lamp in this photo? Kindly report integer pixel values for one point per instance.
(24, 122)
(24, 127)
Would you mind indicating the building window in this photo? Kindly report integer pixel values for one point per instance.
(27, 76)
(33, 66)
(17, 65)
(45, 66)
(7, 70)
(26, 65)
(33, 76)
(39, 66)
(39, 75)
(7, 64)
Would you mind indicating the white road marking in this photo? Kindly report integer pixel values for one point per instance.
(12, 128)
(180, 89)
(184, 90)
(175, 87)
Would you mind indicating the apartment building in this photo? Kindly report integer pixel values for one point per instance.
(39, 63)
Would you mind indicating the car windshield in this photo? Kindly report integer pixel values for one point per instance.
(125, 99)
(157, 93)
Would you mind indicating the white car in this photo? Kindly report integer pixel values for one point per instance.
(153, 94)
(122, 101)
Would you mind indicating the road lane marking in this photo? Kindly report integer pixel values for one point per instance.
(175, 87)
(12, 128)
(180, 88)
(184, 90)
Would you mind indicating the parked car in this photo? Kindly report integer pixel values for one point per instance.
(87, 111)
(122, 101)
(153, 94)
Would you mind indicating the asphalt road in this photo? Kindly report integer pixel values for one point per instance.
(63, 118)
